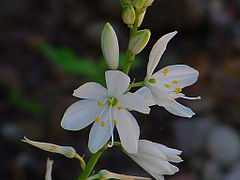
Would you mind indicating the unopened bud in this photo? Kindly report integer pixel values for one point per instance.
(139, 41)
(48, 174)
(67, 151)
(128, 14)
(140, 18)
(105, 174)
(109, 45)
(126, 2)
(138, 4)
(148, 3)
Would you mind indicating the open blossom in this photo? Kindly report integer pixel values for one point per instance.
(106, 108)
(154, 158)
(165, 85)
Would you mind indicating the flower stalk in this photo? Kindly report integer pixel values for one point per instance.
(129, 58)
(91, 164)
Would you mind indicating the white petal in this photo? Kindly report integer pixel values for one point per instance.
(169, 150)
(148, 148)
(128, 130)
(157, 51)
(183, 74)
(91, 90)
(147, 95)
(172, 154)
(80, 114)
(191, 98)
(117, 82)
(109, 45)
(179, 110)
(181, 95)
(154, 165)
(134, 102)
(160, 96)
(99, 135)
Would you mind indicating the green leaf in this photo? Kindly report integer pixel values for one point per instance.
(24, 104)
(68, 61)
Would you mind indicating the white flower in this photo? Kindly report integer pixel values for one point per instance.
(154, 158)
(166, 85)
(48, 174)
(109, 45)
(106, 108)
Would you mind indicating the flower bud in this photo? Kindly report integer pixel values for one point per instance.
(48, 174)
(128, 15)
(126, 2)
(138, 4)
(148, 3)
(67, 151)
(105, 174)
(140, 18)
(139, 41)
(109, 45)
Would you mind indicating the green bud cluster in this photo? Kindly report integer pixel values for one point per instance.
(131, 7)
(139, 4)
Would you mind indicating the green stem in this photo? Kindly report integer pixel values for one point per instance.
(129, 58)
(117, 144)
(138, 84)
(91, 164)
(82, 162)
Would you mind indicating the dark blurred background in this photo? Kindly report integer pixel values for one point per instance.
(49, 48)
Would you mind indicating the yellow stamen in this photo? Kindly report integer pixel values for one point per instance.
(120, 107)
(167, 85)
(178, 90)
(97, 119)
(115, 122)
(102, 124)
(175, 82)
(100, 103)
(165, 72)
(110, 101)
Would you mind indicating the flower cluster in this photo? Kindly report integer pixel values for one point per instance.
(110, 107)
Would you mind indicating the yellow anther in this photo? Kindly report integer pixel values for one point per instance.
(165, 72)
(175, 82)
(120, 107)
(110, 101)
(102, 124)
(167, 85)
(178, 90)
(115, 122)
(97, 119)
(100, 103)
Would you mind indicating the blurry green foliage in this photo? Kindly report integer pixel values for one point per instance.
(15, 98)
(70, 62)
